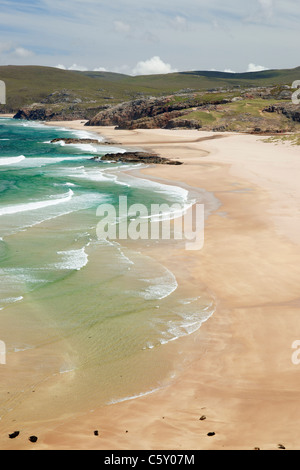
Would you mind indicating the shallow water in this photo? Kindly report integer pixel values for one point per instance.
(85, 321)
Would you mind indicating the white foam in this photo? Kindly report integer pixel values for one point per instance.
(177, 193)
(73, 260)
(133, 397)
(97, 176)
(31, 206)
(11, 160)
(188, 323)
(160, 287)
(65, 369)
(42, 161)
(9, 300)
(87, 135)
(35, 124)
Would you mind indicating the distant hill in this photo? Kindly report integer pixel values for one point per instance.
(91, 91)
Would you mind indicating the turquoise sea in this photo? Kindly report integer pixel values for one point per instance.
(86, 322)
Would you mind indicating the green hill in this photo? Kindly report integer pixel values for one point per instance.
(89, 91)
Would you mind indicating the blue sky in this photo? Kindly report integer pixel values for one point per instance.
(157, 36)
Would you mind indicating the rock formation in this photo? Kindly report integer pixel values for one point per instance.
(290, 110)
(77, 141)
(149, 113)
(57, 112)
(136, 157)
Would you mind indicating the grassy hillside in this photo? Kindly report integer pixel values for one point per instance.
(263, 78)
(33, 84)
(243, 116)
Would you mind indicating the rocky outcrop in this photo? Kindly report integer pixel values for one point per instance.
(183, 123)
(57, 112)
(136, 157)
(128, 111)
(76, 141)
(62, 96)
(31, 113)
(290, 110)
(156, 122)
(148, 113)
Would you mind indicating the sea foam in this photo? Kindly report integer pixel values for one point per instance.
(30, 206)
(11, 160)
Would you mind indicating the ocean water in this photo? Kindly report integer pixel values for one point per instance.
(86, 322)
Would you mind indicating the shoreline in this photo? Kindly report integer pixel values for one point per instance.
(239, 374)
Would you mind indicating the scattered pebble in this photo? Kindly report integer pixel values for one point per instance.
(211, 434)
(280, 446)
(202, 418)
(33, 439)
(14, 435)
(96, 433)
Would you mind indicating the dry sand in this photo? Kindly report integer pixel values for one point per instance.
(240, 374)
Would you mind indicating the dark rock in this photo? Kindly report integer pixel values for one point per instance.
(33, 439)
(96, 433)
(202, 418)
(32, 113)
(76, 141)
(183, 123)
(290, 110)
(14, 435)
(136, 157)
(210, 434)
(57, 112)
(280, 446)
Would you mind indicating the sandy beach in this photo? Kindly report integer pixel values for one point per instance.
(239, 375)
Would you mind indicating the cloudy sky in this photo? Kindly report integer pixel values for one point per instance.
(158, 36)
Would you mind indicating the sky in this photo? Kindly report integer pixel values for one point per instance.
(138, 37)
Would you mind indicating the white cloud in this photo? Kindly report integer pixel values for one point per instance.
(22, 52)
(229, 71)
(99, 69)
(180, 23)
(78, 67)
(122, 27)
(256, 68)
(152, 66)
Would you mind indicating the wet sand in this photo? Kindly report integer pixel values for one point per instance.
(239, 373)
